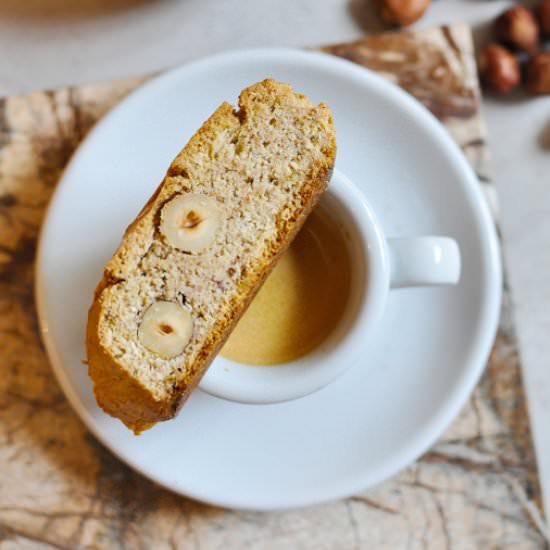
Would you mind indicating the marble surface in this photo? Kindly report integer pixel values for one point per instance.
(47, 43)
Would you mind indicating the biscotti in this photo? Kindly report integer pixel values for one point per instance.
(190, 263)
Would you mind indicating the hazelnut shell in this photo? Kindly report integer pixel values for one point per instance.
(518, 29)
(499, 69)
(537, 74)
(542, 12)
(401, 12)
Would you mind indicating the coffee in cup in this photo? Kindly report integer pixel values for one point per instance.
(302, 300)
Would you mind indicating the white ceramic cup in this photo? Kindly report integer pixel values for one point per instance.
(379, 264)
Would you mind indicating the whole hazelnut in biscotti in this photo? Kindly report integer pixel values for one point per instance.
(189, 222)
(543, 15)
(537, 74)
(165, 329)
(401, 12)
(498, 69)
(518, 28)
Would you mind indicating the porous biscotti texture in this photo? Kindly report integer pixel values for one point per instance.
(266, 166)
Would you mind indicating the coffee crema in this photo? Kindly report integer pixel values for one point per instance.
(302, 300)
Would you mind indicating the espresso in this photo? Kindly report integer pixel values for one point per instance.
(303, 299)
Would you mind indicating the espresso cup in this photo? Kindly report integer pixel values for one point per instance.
(379, 264)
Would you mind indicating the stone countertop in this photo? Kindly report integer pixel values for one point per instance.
(71, 43)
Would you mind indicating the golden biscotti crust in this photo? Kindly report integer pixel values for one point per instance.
(126, 395)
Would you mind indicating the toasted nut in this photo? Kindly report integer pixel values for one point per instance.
(518, 28)
(498, 69)
(542, 12)
(537, 74)
(190, 222)
(165, 329)
(401, 12)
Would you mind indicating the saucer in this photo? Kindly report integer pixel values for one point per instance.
(412, 380)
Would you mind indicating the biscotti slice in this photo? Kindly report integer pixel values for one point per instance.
(188, 266)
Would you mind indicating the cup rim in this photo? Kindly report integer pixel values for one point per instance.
(256, 384)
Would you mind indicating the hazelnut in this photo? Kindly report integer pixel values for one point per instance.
(401, 12)
(537, 74)
(543, 15)
(499, 69)
(518, 28)
(190, 221)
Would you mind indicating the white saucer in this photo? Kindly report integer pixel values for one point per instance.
(433, 343)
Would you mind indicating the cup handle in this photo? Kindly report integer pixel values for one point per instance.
(423, 261)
